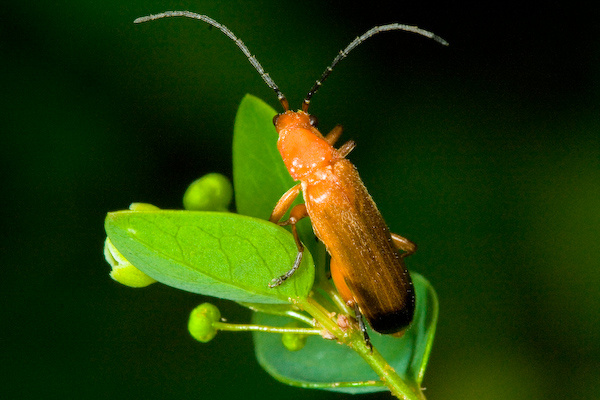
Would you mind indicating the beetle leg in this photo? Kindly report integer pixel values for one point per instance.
(346, 148)
(404, 244)
(362, 326)
(284, 203)
(344, 290)
(297, 213)
(334, 135)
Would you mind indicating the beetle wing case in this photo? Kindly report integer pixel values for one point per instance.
(340, 207)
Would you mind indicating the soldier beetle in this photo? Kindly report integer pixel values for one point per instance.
(366, 266)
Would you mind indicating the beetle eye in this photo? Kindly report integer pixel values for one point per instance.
(313, 121)
(275, 118)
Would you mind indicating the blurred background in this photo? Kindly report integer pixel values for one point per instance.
(485, 153)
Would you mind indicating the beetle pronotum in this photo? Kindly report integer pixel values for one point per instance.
(366, 266)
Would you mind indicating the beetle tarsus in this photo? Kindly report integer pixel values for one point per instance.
(279, 280)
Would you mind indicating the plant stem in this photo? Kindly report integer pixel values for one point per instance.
(300, 317)
(224, 326)
(388, 375)
(354, 339)
(323, 316)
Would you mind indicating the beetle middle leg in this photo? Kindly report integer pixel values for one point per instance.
(404, 244)
(296, 214)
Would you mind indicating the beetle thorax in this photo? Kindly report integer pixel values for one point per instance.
(302, 147)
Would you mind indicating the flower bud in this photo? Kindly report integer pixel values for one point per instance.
(122, 270)
(293, 341)
(212, 192)
(201, 322)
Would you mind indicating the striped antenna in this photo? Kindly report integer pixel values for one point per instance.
(265, 76)
(371, 32)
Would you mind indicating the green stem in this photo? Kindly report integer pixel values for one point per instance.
(300, 317)
(323, 316)
(224, 326)
(354, 339)
(388, 375)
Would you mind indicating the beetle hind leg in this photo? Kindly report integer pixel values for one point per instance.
(362, 326)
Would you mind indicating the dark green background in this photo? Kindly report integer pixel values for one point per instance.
(486, 153)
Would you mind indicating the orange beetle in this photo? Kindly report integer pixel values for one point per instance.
(366, 267)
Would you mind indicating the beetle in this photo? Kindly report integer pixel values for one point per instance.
(366, 265)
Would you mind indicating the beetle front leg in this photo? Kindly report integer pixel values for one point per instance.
(334, 135)
(284, 203)
(297, 213)
(404, 244)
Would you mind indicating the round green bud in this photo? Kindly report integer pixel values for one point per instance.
(293, 341)
(212, 192)
(122, 270)
(201, 322)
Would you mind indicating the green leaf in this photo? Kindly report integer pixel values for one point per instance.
(322, 362)
(216, 254)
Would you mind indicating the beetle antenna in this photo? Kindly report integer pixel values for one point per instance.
(371, 32)
(264, 75)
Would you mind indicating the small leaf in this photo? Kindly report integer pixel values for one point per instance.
(217, 254)
(322, 362)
